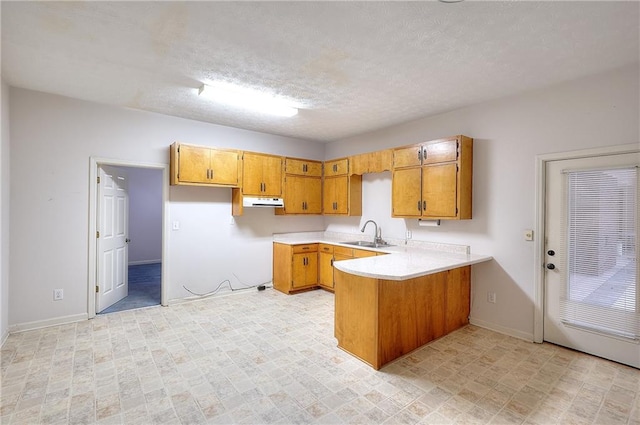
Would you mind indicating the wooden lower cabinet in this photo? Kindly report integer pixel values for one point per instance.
(380, 320)
(325, 266)
(295, 267)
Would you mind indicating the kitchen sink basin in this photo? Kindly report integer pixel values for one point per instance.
(367, 244)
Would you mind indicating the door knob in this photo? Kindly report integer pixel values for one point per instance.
(551, 266)
(127, 240)
(551, 252)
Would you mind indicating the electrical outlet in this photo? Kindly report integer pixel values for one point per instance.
(58, 294)
(491, 297)
(408, 234)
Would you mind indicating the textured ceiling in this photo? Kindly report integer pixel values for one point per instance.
(352, 66)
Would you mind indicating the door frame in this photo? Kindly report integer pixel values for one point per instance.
(94, 163)
(539, 275)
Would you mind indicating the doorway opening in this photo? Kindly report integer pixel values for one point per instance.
(127, 258)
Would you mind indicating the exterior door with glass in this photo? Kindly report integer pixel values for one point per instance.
(591, 256)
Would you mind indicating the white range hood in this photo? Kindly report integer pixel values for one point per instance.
(249, 201)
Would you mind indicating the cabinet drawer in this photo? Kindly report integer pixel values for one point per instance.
(326, 248)
(297, 249)
(343, 251)
(336, 167)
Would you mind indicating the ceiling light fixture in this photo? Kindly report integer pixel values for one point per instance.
(241, 97)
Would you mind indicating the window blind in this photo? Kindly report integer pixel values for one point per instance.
(600, 254)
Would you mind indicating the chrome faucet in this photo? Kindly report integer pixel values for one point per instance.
(377, 238)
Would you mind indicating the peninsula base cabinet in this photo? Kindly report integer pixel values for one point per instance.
(370, 325)
(295, 267)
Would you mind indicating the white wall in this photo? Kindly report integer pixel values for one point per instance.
(593, 112)
(145, 215)
(4, 213)
(52, 139)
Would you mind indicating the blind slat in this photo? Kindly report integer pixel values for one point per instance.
(599, 238)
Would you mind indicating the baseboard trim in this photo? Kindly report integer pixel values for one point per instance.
(39, 324)
(502, 329)
(142, 262)
(4, 338)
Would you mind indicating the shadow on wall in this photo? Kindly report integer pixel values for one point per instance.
(490, 277)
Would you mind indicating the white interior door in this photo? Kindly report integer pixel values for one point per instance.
(113, 228)
(591, 256)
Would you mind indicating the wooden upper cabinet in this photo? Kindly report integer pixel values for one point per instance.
(261, 175)
(204, 166)
(406, 196)
(342, 195)
(439, 190)
(337, 167)
(439, 185)
(440, 151)
(372, 162)
(303, 167)
(408, 156)
(302, 195)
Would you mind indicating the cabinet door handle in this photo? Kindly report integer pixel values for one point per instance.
(424, 154)
(424, 205)
(332, 262)
(419, 206)
(420, 154)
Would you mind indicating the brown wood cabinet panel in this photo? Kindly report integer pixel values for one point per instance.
(295, 267)
(302, 195)
(303, 167)
(408, 156)
(406, 199)
(262, 175)
(458, 298)
(372, 162)
(356, 321)
(336, 167)
(325, 269)
(381, 320)
(439, 190)
(204, 166)
(363, 253)
(440, 151)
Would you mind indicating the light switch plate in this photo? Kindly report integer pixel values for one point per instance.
(528, 235)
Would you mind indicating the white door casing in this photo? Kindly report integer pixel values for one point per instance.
(113, 228)
(589, 340)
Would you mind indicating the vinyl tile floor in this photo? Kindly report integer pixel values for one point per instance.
(268, 358)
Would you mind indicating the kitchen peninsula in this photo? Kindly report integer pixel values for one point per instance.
(389, 305)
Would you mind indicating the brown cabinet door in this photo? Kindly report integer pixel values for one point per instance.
(325, 269)
(303, 195)
(299, 270)
(336, 167)
(262, 175)
(329, 196)
(303, 167)
(313, 195)
(407, 157)
(272, 176)
(439, 190)
(193, 164)
(406, 198)
(224, 167)
(294, 190)
(441, 151)
(252, 183)
(341, 194)
(311, 272)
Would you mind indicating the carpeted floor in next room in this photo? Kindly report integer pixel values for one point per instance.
(144, 288)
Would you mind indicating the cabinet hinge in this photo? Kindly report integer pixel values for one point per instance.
(97, 234)
(97, 289)
(98, 179)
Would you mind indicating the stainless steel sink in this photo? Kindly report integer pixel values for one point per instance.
(367, 244)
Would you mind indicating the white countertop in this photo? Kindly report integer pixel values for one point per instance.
(403, 262)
